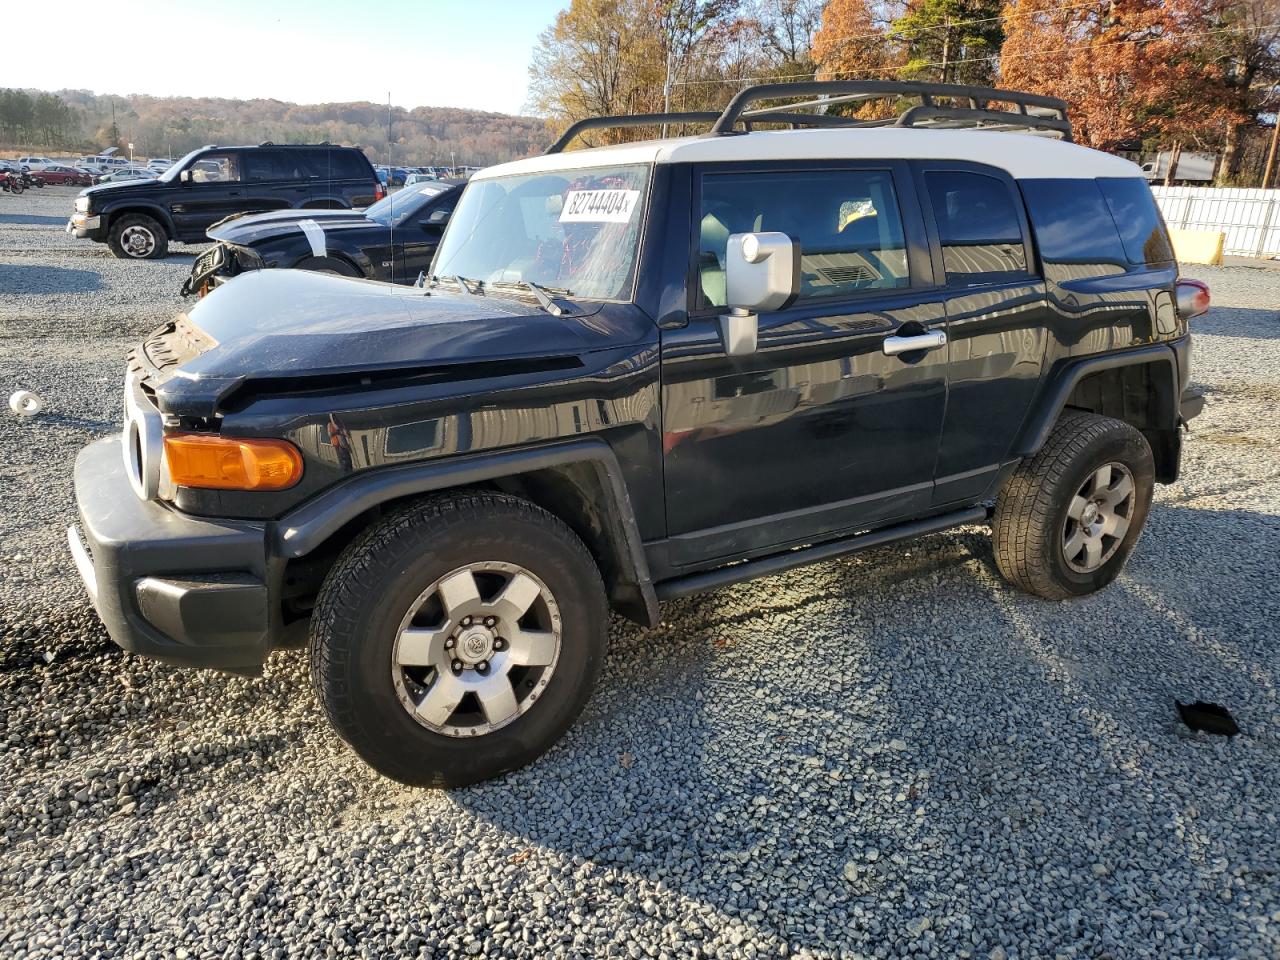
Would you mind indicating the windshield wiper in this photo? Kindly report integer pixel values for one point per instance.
(542, 294)
(463, 282)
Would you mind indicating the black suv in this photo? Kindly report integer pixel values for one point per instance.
(638, 372)
(394, 239)
(138, 218)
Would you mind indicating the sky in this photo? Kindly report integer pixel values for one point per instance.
(442, 53)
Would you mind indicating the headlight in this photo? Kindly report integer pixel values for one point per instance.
(82, 204)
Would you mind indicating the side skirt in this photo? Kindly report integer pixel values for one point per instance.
(765, 566)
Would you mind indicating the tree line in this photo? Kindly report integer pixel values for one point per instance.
(1137, 74)
(172, 126)
(43, 119)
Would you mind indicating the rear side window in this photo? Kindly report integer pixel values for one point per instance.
(1074, 228)
(978, 227)
(1138, 219)
(263, 165)
(847, 223)
(338, 165)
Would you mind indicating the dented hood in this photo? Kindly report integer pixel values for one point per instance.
(286, 324)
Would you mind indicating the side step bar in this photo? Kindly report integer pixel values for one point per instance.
(777, 563)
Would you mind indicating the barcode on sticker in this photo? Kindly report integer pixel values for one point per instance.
(599, 206)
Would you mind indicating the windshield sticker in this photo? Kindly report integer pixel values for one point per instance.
(430, 190)
(599, 206)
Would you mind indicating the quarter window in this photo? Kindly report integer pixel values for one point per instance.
(1138, 220)
(847, 224)
(978, 227)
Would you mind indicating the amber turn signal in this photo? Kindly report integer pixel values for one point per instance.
(231, 463)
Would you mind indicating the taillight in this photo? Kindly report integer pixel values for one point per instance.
(214, 462)
(378, 192)
(1193, 298)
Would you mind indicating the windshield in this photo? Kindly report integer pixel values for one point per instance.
(572, 230)
(173, 172)
(396, 208)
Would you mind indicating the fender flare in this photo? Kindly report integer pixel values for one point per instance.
(154, 210)
(1054, 397)
(306, 527)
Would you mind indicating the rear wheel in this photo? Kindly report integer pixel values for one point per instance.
(136, 236)
(458, 638)
(1070, 516)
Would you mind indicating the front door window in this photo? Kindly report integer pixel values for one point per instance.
(847, 223)
(216, 168)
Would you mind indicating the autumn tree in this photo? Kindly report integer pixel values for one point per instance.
(1128, 68)
(853, 42)
(1247, 41)
(643, 56)
(787, 29)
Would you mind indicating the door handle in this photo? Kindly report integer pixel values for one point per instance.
(925, 341)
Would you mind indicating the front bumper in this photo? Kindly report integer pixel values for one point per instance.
(1192, 404)
(86, 227)
(186, 590)
(212, 268)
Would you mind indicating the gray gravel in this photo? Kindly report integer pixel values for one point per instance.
(889, 755)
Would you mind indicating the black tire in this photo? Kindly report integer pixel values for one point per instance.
(1032, 530)
(124, 230)
(16, 186)
(334, 265)
(377, 581)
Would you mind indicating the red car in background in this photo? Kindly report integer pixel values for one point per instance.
(55, 173)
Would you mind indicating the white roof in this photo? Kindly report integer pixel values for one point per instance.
(1022, 155)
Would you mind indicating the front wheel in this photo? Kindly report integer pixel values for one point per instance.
(138, 237)
(1070, 516)
(458, 638)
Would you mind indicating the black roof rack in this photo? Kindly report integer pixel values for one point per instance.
(1034, 113)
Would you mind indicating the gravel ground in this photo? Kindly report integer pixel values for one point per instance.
(889, 755)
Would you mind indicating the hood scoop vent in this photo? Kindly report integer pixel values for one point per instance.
(250, 391)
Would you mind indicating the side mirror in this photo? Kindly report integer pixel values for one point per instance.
(761, 272)
(185, 176)
(437, 218)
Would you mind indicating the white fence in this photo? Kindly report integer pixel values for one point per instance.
(1249, 217)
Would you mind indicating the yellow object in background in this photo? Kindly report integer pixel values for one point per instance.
(1198, 246)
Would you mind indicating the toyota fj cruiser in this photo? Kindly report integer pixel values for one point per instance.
(636, 372)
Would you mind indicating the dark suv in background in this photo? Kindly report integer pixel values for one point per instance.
(138, 218)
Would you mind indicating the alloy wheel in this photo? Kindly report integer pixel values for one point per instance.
(137, 241)
(1098, 517)
(476, 649)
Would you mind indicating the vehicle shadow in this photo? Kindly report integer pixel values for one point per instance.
(1247, 322)
(30, 219)
(892, 734)
(24, 279)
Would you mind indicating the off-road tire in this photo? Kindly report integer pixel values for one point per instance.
(1032, 510)
(375, 582)
(122, 224)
